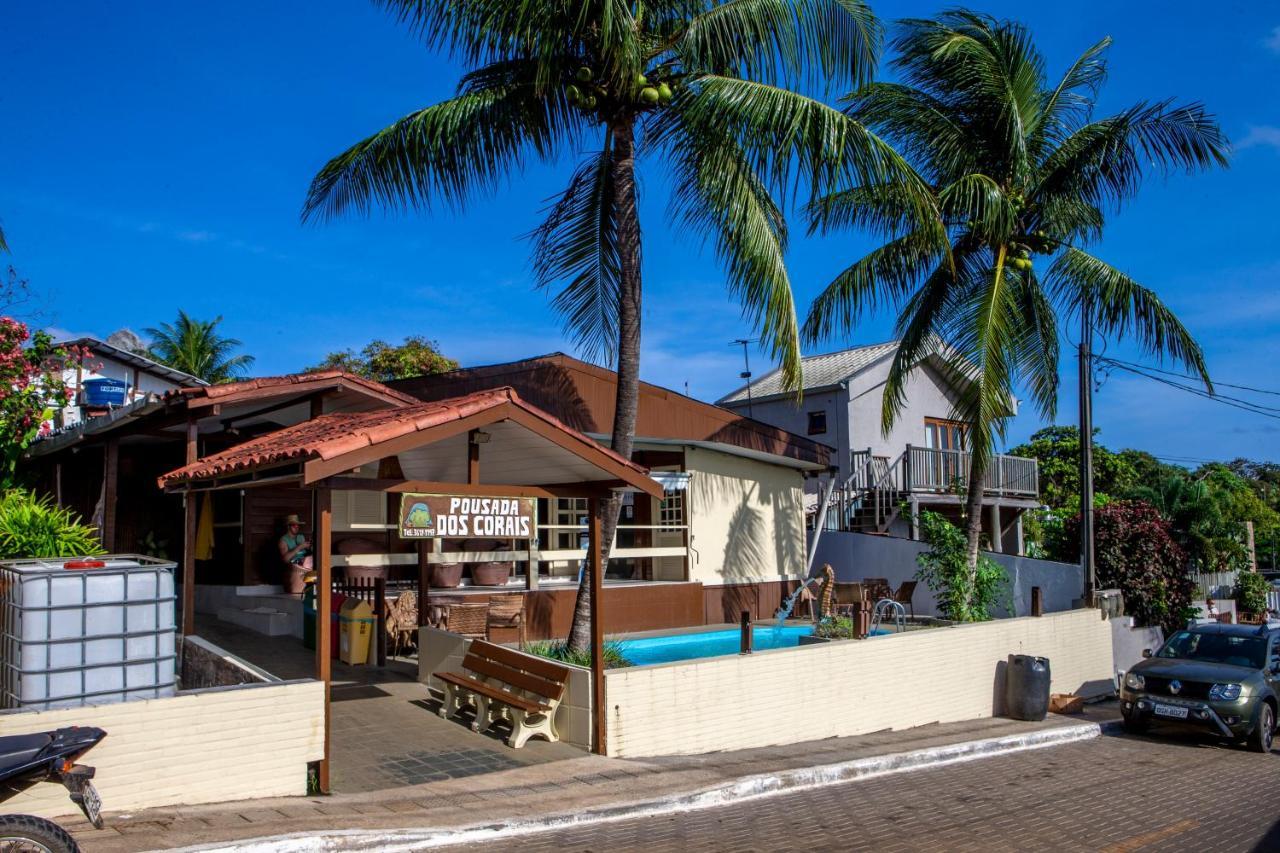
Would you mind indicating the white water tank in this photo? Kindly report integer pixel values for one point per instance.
(86, 630)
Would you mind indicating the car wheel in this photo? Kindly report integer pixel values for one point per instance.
(1135, 725)
(1260, 739)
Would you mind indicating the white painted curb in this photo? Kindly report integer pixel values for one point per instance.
(740, 790)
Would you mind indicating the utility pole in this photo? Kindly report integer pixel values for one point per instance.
(1086, 452)
(746, 373)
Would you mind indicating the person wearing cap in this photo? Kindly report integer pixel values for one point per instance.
(295, 548)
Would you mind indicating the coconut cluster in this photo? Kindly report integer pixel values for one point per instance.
(587, 93)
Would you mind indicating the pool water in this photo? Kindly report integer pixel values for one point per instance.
(707, 644)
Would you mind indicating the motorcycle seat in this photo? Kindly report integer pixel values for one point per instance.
(18, 750)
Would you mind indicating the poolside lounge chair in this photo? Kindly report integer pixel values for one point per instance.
(848, 597)
(878, 588)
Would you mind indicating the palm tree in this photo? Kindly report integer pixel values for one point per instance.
(704, 90)
(1020, 173)
(195, 347)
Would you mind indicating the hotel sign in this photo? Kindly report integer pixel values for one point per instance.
(457, 516)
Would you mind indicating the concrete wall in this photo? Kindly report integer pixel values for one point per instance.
(441, 651)
(785, 414)
(226, 743)
(855, 556)
(746, 519)
(205, 665)
(848, 687)
(927, 397)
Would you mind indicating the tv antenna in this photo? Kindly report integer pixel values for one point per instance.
(746, 364)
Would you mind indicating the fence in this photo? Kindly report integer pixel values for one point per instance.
(1214, 585)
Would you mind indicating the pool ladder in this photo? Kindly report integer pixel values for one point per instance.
(889, 606)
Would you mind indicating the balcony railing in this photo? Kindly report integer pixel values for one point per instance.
(928, 469)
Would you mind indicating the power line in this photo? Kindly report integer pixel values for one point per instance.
(1216, 383)
(1233, 402)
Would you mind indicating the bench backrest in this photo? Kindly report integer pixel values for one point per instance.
(533, 675)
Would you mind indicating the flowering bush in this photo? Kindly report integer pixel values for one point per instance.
(1135, 552)
(31, 387)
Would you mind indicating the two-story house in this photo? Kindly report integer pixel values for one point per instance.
(886, 479)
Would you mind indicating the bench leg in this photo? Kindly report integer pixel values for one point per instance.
(525, 725)
(484, 715)
(454, 699)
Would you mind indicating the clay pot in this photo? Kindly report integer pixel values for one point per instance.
(490, 574)
(364, 573)
(444, 575)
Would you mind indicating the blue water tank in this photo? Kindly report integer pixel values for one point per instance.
(105, 392)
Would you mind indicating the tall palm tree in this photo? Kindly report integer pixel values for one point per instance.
(704, 90)
(195, 347)
(1020, 174)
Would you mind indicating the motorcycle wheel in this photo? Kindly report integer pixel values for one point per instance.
(24, 833)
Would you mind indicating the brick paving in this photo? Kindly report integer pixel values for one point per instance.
(1115, 794)
(385, 730)
(529, 790)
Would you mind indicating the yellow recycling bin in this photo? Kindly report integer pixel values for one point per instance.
(355, 630)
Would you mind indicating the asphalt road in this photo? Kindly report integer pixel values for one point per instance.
(1167, 792)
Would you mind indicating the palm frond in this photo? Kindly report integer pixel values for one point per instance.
(452, 150)
(1122, 307)
(577, 247)
(828, 43)
(1072, 100)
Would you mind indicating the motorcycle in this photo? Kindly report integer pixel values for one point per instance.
(27, 760)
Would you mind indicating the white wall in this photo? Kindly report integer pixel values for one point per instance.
(927, 397)
(746, 519)
(855, 556)
(848, 687)
(206, 746)
(785, 414)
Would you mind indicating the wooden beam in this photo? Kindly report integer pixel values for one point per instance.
(599, 489)
(317, 406)
(595, 579)
(323, 551)
(424, 582)
(190, 506)
(110, 488)
(586, 448)
(473, 457)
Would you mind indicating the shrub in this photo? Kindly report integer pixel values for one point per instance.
(1251, 592)
(944, 568)
(835, 628)
(613, 656)
(33, 526)
(1135, 552)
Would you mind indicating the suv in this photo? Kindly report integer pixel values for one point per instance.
(1220, 678)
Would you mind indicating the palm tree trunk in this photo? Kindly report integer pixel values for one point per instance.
(973, 524)
(627, 401)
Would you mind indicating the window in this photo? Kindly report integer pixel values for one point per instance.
(940, 434)
(671, 511)
(359, 510)
(817, 423)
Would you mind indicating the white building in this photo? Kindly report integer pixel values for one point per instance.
(921, 462)
(137, 377)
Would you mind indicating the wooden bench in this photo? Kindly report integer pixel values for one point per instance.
(506, 684)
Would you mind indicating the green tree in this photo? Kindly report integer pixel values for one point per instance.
(1057, 450)
(383, 362)
(1020, 174)
(705, 91)
(195, 347)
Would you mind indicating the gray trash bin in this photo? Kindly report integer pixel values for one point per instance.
(1026, 688)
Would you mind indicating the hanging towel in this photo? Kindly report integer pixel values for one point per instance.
(204, 529)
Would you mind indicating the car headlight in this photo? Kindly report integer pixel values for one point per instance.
(1225, 691)
(1134, 681)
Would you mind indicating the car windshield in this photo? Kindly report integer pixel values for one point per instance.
(1216, 648)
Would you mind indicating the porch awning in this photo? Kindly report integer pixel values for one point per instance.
(671, 481)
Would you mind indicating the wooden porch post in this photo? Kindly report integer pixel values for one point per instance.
(595, 578)
(324, 603)
(110, 480)
(190, 506)
(424, 582)
(997, 532)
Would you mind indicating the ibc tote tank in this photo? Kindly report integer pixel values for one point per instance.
(86, 630)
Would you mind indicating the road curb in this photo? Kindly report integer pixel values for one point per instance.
(736, 791)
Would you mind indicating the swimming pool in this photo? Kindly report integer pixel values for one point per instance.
(707, 644)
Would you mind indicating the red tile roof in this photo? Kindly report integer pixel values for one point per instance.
(332, 435)
(258, 385)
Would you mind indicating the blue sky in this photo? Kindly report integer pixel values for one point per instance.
(155, 156)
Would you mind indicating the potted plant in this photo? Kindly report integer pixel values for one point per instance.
(444, 575)
(494, 573)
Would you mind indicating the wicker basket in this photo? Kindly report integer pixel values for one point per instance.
(445, 575)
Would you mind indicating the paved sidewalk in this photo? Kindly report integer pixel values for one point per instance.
(568, 785)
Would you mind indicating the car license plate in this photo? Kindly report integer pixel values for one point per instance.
(1172, 711)
(92, 803)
